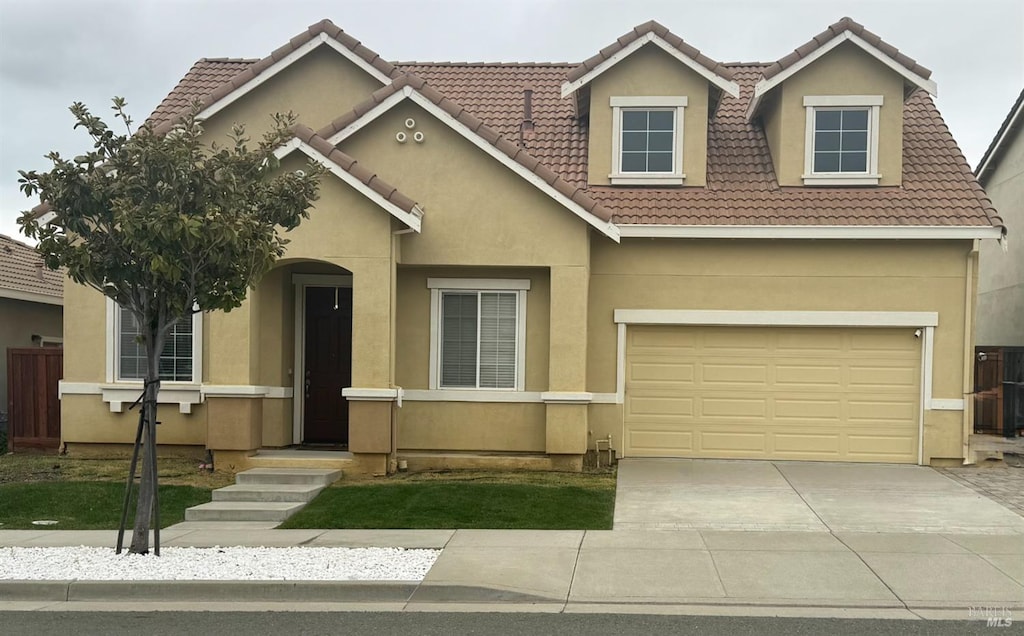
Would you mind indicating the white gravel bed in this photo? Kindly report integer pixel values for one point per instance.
(217, 564)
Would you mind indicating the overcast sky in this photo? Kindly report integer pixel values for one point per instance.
(54, 52)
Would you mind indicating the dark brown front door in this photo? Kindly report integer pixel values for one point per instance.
(328, 364)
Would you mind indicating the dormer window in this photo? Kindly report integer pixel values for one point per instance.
(841, 142)
(647, 140)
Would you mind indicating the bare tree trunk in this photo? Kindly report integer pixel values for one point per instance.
(148, 482)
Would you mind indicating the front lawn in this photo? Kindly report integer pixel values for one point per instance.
(85, 505)
(539, 501)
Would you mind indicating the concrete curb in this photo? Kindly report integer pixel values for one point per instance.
(209, 591)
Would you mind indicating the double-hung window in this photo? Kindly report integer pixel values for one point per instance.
(842, 140)
(478, 333)
(647, 140)
(178, 360)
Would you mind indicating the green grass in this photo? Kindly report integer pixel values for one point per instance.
(531, 501)
(85, 505)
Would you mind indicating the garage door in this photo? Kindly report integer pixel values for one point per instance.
(772, 393)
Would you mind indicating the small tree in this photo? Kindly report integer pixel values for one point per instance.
(167, 227)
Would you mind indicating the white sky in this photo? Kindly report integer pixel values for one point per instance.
(54, 52)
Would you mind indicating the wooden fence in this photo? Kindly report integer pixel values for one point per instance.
(33, 409)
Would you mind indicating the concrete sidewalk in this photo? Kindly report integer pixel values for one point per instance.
(684, 571)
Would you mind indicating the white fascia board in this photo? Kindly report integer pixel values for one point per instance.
(284, 63)
(1009, 130)
(712, 317)
(764, 86)
(846, 232)
(607, 228)
(412, 219)
(31, 297)
(732, 88)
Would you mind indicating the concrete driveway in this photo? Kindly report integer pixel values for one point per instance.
(669, 494)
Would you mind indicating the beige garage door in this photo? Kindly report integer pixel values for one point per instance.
(772, 393)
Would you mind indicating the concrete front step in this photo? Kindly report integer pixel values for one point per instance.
(310, 476)
(268, 492)
(243, 511)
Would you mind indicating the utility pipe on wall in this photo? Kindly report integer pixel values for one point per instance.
(968, 370)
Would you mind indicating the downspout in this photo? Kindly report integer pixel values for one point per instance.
(968, 370)
(392, 315)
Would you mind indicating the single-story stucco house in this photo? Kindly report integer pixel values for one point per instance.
(511, 261)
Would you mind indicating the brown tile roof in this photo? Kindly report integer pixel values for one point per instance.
(22, 270)
(575, 192)
(247, 70)
(205, 76)
(354, 168)
(938, 187)
(997, 147)
(651, 26)
(845, 24)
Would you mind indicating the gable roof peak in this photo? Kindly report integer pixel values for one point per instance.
(237, 85)
(837, 29)
(845, 30)
(653, 32)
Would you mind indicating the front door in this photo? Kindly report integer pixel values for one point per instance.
(328, 362)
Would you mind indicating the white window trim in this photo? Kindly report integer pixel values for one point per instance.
(874, 105)
(676, 176)
(114, 350)
(439, 285)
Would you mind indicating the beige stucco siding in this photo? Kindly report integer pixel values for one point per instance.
(1001, 275)
(413, 321)
(471, 426)
(846, 70)
(783, 275)
(476, 210)
(319, 87)
(649, 72)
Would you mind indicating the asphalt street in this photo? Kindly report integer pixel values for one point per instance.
(447, 624)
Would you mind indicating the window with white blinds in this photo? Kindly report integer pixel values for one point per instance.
(479, 339)
(176, 359)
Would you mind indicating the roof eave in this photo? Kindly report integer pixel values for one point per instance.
(411, 218)
(813, 232)
(728, 86)
(766, 85)
(606, 227)
(991, 157)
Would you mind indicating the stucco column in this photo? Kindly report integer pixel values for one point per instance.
(232, 344)
(566, 398)
(369, 410)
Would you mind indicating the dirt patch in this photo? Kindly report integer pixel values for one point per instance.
(173, 471)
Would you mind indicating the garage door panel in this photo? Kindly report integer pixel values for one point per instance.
(793, 410)
(670, 407)
(732, 408)
(800, 375)
(806, 445)
(799, 342)
(738, 442)
(787, 393)
(881, 411)
(738, 375)
(883, 379)
(658, 443)
(662, 372)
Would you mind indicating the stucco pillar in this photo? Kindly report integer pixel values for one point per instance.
(566, 398)
(234, 423)
(370, 435)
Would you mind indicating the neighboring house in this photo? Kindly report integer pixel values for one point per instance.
(1001, 271)
(31, 299)
(761, 260)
